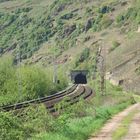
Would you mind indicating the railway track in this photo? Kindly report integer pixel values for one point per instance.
(71, 95)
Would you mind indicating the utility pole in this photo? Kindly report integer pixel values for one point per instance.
(102, 74)
(102, 69)
(54, 70)
(54, 79)
(18, 59)
(54, 67)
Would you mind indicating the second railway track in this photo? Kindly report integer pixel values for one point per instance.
(71, 96)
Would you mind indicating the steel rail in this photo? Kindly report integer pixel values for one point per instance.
(39, 100)
(71, 95)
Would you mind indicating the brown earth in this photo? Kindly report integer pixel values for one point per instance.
(134, 130)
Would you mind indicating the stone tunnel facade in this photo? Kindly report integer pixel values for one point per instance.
(79, 76)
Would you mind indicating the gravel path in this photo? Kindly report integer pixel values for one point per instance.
(112, 125)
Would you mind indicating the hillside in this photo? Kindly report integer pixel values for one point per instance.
(38, 31)
(41, 41)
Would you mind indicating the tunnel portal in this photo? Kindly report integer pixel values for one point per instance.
(79, 76)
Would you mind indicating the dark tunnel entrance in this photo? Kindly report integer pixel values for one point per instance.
(79, 76)
(80, 79)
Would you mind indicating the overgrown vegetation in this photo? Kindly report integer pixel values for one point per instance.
(23, 31)
(26, 82)
(115, 44)
(37, 123)
(73, 122)
(131, 16)
(138, 70)
(82, 57)
(30, 31)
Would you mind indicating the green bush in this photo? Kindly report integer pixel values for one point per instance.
(29, 33)
(26, 82)
(106, 22)
(115, 44)
(81, 127)
(138, 70)
(67, 16)
(83, 56)
(132, 14)
(8, 81)
(101, 22)
(11, 127)
(105, 9)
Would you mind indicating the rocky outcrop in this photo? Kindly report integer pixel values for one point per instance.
(88, 24)
(59, 9)
(114, 81)
(68, 30)
(124, 3)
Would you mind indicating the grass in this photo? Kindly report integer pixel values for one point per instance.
(82, 128)
(27, 82)
(77, 131)
(138, 70)
(106, 106)
(136, 98)
(75, 122)
(101, 110)
(122, 130)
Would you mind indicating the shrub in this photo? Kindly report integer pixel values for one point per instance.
(28, 82)
(138, 70)
(8, 83)
(104, 9)
(115, 45)
(106, 22)
(120, 18)
(67, 16)
(11, 127)
(27, 31)
(101, 22)
(132, 14)
(83, 56)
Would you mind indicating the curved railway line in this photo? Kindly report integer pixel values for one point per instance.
(71, 95)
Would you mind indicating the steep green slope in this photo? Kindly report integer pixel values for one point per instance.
(38, 31)
(69, 33)
(28, 24)
(124, 61)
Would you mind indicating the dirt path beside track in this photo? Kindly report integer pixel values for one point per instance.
(134, 129)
